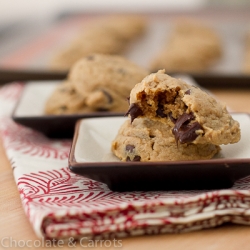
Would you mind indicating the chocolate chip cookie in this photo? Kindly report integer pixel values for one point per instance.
(150, 140)
(191, 47)
(106, 35)
(105, 81)
(194, 116)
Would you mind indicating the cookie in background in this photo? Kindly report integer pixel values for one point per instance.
(191, 47)
(105, 35)
(96, 83)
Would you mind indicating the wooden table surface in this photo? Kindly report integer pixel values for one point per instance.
(15, 226)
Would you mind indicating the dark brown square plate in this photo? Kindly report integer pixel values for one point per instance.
(91, 156)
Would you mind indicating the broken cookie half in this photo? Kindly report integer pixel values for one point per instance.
(194, 115)
(192, 120)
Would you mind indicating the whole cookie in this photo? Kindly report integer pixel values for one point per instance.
(105, 35)
(191, 47)
(149, 140)
(105, 81)
(194, 116)
(65, 100)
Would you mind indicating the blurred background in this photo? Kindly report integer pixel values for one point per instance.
(10, 11)
(31, 31)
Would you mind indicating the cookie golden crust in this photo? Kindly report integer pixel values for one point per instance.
(192, 47)
(195, 116)
(149, 140)
(105, 81)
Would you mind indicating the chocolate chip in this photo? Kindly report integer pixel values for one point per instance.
(188, 134)
(90, 57)
(128, 158)
(184, 118)
(188, 92)
(160, 111)
(183, 130)
(134, 111)
(130, 148)
(137, 158)
(63, 108)
(109, 97)
(122, 71)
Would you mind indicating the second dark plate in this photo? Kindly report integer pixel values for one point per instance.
(29, 111)
(91, 157)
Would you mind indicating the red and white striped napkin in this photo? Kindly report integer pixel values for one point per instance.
(61, 204)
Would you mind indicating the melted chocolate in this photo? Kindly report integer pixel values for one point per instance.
(183, 130)
(184, 118)
(130, 148)
(188, 134)
(134, 111)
